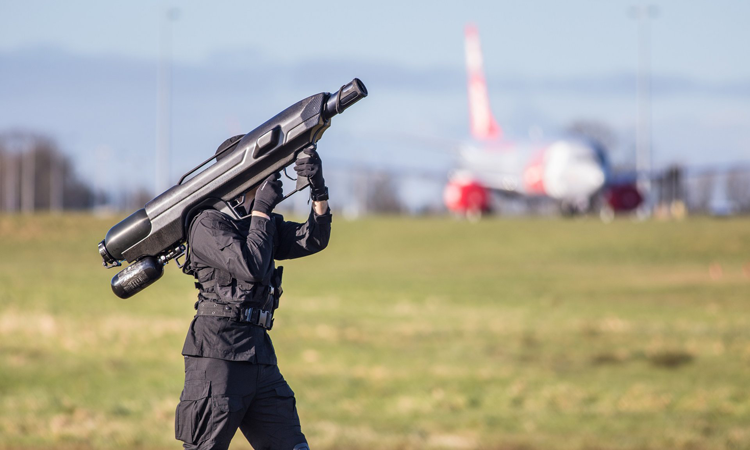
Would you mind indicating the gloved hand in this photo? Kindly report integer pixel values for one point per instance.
(269, 194)
(312, 168)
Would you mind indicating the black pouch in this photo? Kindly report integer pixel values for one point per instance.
(223, 278)
(193, 415)
(286, 403)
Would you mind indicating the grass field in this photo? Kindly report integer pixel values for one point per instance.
(406, 334)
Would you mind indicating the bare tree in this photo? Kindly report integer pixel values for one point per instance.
(382, 194)
(669, 185)
(9, 188)
(738, 189)
(700, 191)
(37, 176)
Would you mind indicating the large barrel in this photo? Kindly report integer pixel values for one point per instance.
(148, 238)
(124, 235)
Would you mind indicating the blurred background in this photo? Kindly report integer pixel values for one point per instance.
(599, 303)
(114, 102)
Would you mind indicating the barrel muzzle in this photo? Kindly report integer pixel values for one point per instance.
(107, 260)
(348, 95)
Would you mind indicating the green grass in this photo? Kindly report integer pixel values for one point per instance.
(406, 334)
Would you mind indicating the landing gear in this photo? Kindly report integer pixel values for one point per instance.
(572, 208)
(606, 214)
(473, 215)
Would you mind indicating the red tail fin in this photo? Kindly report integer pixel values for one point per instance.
(483, 125)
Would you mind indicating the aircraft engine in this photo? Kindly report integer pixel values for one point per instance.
(466, 197)
(623, 197)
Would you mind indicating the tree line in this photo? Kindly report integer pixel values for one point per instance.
(36, 176)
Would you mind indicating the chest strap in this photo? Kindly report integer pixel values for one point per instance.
(253, 316)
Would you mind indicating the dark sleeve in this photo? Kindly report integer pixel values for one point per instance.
(303, 239)
(218, 244)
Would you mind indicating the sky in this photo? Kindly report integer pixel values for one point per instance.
(84, 72)
(701, 39)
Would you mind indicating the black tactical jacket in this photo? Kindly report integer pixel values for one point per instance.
(240, 255)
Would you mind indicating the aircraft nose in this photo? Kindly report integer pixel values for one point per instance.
(583, 179)
(572, 171)
(591, 176)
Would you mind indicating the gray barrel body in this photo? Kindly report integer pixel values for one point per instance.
(152, 235)
(260, 153)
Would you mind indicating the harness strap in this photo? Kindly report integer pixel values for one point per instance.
(253, 316)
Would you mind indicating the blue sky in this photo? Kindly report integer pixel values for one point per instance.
(702, 39)
(85, 73)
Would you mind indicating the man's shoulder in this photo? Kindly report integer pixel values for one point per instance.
(213, 219)
(212, 214)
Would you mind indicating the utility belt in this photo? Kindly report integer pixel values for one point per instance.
(266, 295)
(254, 316)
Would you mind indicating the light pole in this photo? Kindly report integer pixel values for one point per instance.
(164, 102)
(643, 14)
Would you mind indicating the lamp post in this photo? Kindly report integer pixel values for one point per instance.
(643, 14)
(164, 102)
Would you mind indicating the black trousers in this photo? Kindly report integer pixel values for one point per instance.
(220, 396)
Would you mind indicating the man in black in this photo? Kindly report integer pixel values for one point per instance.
(231, 377)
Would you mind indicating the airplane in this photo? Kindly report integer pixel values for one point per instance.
(572, 172)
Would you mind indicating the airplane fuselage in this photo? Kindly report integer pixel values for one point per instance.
(565, 170)
(569, 171)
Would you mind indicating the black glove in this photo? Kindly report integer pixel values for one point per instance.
(312, 168)
(269, 194)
